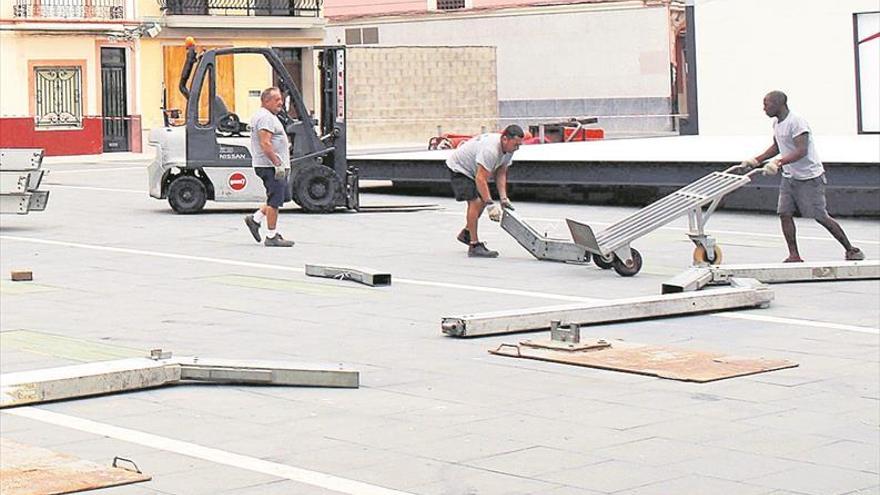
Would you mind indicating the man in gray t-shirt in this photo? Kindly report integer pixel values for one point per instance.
(270, 152)
(802, 188)
(470, 167)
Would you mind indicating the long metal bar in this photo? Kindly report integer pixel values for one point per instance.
(617, 310)
(772, 273)
(696, 278)
(367, 276)
(15, 203)
(542, 247)
(83, 380)
(14, 181)
(20, 158)
(107, 377)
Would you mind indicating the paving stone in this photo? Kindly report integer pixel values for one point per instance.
(531, 462)
(736, 466)
(818, 480)
(695, 484)
(844, 454)
(612, 476)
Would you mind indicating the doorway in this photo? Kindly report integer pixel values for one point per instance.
(114, 99)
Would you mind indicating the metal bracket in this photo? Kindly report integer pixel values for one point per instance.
(559, 334)
(366, 276)
(542, 247)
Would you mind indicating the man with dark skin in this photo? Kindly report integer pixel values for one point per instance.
(802, 188)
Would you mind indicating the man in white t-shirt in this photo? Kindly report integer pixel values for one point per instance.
(803, 177)
(470, 167)
(270, 156)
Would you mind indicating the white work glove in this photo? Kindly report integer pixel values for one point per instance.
(749, 164)
(279, 173)
(772, 167)
(495, 212)
(507, 205)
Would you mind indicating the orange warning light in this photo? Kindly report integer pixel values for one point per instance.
(189, 42)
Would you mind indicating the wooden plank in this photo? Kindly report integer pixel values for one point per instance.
(29, 470)
(663, 362)
(173, 60)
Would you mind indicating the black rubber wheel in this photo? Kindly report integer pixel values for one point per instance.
(317, 188)
(603, 262)
(628, 270)
(187, 195)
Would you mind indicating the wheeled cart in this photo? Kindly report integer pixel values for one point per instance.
(611, 247)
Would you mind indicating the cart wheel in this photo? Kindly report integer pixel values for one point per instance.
(187, 195)
(604, 262)
(700, 255)
(628, 271)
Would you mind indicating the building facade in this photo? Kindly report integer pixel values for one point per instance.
(618, 60)
(824, 55)
(94, 76)
(69, 81)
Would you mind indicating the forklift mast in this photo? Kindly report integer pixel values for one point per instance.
(321, 179)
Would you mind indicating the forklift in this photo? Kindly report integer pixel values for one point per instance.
(209, 158)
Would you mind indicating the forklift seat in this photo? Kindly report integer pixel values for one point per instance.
(227, 121)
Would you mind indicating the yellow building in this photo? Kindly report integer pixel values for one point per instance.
(290, 26)
(93, 76)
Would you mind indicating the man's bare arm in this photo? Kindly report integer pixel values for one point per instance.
(482, 181)
(266, 146)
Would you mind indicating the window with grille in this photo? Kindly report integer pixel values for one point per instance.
(58, 93)
(450, 4)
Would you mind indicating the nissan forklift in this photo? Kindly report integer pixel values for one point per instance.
(209, 158)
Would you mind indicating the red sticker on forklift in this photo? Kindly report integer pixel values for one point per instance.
(237, 181)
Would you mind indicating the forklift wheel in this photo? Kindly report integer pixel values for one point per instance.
(187, 195)
(628, 271)
(317, 188)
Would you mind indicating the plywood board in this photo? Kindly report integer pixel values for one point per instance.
(663, 362)
(29, 470)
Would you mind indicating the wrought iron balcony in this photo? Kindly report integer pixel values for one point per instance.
(69, 9)
(283, 8)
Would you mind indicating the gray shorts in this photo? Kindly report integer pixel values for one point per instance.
(806, 197)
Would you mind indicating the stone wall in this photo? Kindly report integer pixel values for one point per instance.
(399, 96)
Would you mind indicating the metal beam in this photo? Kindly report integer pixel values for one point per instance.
(542, 247)
(817, 271)
(692, 279)
(20, 158)
(696, 278)
(123, 375)
(366, 276)
(752, 294)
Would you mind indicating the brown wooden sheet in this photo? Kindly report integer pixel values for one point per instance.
(663, 362)
(29, 470)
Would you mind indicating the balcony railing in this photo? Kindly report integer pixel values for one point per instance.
(69, 9)
(285, 8)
